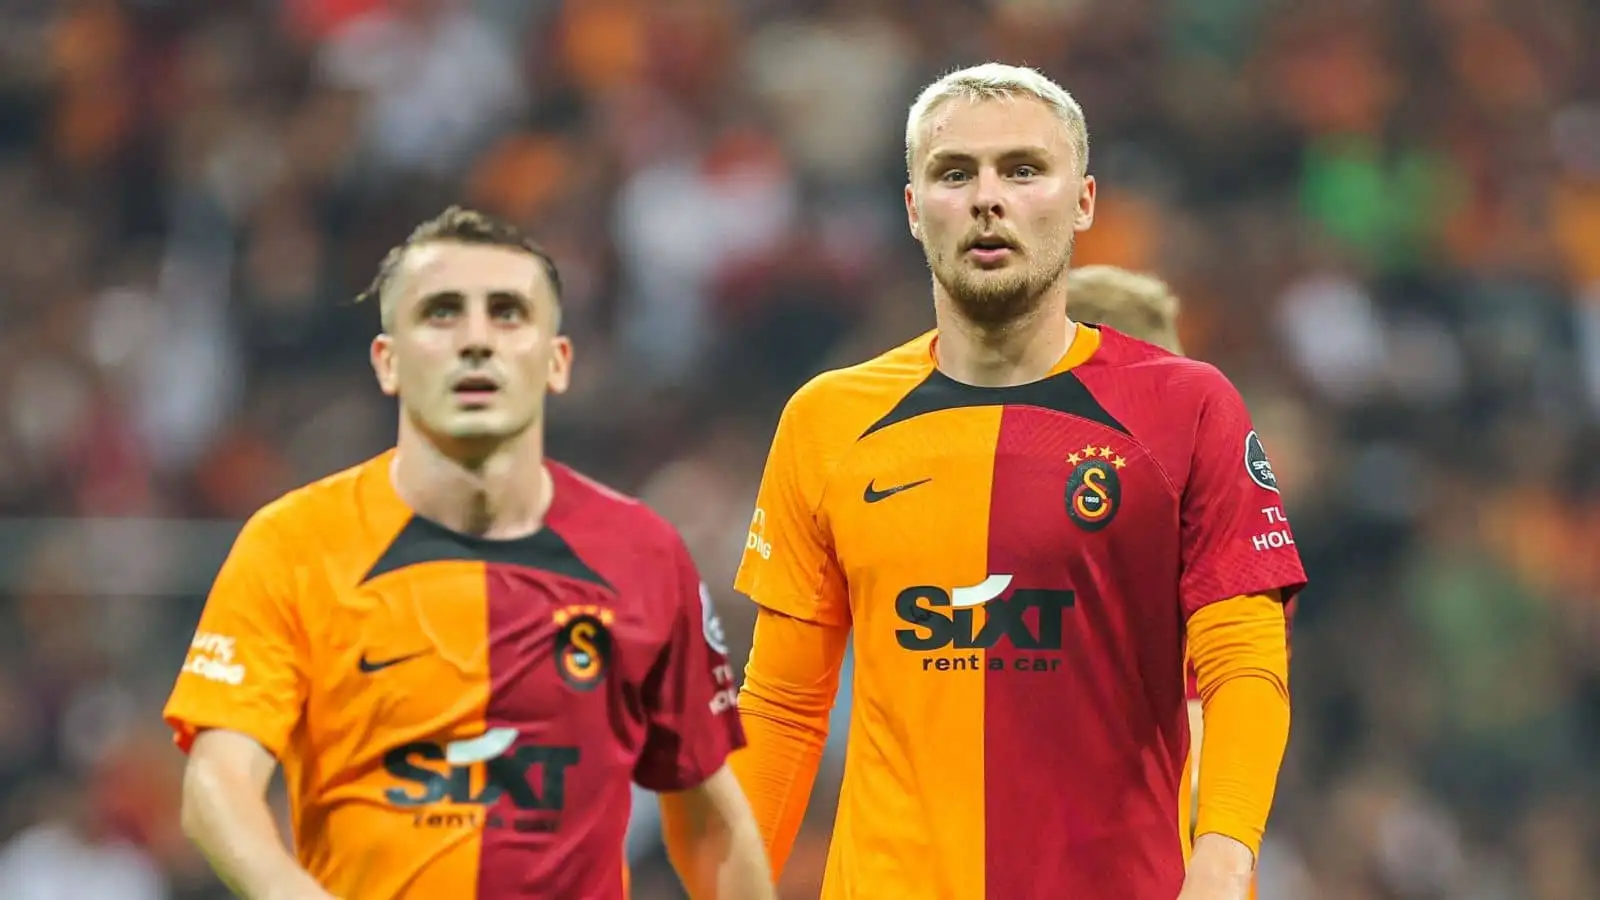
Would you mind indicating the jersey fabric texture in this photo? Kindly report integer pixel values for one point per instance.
(461, 717)
(1017, 566)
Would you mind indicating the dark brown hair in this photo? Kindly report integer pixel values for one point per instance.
(461, 225)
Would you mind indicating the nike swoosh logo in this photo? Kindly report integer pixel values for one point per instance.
(369, 666)
(873, 495)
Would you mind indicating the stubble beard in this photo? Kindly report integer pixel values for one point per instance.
(993, 299)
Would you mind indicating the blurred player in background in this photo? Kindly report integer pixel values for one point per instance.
(1020, 523)
(1138, 305)
(461, 652)
(1143, 307)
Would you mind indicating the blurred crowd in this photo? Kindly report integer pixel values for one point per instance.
(1383, 217)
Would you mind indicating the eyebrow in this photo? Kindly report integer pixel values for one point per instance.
(500, 296)
(946, 157)
(441, 297)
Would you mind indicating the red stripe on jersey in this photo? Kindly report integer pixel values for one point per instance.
(1070, 802)
(563, 788)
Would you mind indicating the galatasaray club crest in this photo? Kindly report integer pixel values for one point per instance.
(1094, 489)
(583, 645)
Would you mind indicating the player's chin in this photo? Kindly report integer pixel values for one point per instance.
(991, 288)
(481, 423)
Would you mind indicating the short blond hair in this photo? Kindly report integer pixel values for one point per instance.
(1134, 303)
(998, 81)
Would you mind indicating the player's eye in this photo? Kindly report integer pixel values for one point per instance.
(1025, 171)
(953, 176)
(508, 312)
(441, 312)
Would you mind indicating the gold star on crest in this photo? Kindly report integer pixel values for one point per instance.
(1073, 459)
(563, 616)
(1091, 452)
(1119, 462)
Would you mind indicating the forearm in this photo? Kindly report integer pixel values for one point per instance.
(789, 689)
(233, 827)
(1197, 737)
(1241, 656)
(716, 857)
(1247, 729)
(741, 870)
(777, 771)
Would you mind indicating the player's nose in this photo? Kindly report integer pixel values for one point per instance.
(475, 353)
(475, 337)
(988, 199)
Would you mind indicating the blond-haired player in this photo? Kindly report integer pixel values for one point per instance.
(1019, 524)
(1135, 303)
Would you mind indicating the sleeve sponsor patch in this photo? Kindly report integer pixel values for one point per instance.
(211, 656)
(1256, 463)
(710, 624)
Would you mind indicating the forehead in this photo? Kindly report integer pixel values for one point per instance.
(993, 127)
(469, 269)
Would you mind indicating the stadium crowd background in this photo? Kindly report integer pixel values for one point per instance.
(1383, 217)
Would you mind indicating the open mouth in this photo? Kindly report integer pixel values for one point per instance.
(990, 249)
(475, 388)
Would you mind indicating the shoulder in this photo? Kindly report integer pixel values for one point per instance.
(1147, 373)
(631, 545)
(1170, 404)
(841, 404)
(1130, 355)
(591, 507)
(314, 512)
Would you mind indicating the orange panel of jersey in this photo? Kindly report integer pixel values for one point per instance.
(461, 717)
(1017, 566)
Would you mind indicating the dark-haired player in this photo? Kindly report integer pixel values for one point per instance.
(461, 652)
(1020, 524)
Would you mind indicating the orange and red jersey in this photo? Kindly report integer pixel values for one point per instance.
(456, 716)
(1017, 567)
(1191, 682)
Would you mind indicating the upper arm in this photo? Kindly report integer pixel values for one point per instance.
(788, 562)
(1236, 538)
(246, 666)
(794, 668)
(221, 750)
(1245, 635)
(690, 696)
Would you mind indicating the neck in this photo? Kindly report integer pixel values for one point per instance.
(500, 492)
(1020, 351)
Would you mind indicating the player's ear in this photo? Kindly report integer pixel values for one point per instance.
(912, 219)
(1085, 216)
(383, 364)
(560, 376)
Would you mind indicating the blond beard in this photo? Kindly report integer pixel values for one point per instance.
(994, 299)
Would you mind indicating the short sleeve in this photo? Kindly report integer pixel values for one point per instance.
(1236, 537)
(691, 699)
(246, 666)
(788, 564)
